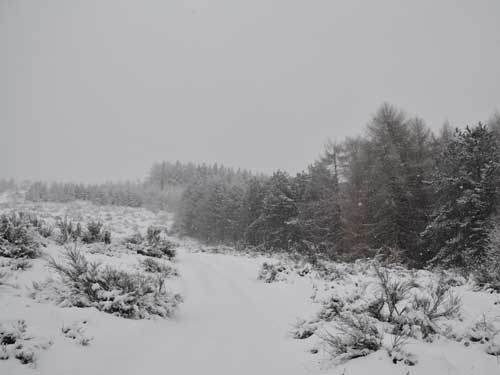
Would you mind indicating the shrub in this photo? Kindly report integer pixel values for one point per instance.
(487, 275)
(400, 355)
(74, 232)
(272, 272)
(440, 302)
(158, 250)
(129, 295)
(483, 331)
(20, 264)
(25, 356)
(38, 224)
(95, 233)
(68, 231)
(357, 336)
(18, 238)
(420, 315)
(15, 342)
(304, 330)
(134, 239)
(393, 291)
(331, 309)
(76, 332)
(153, 266)
(3, 276)
(153, 235)
(106, 237)
(154, 245)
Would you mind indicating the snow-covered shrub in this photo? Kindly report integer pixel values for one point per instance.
(153, 235)
(413, 323)
(25, 356)
(18, 238)
(40, 226)
(153, 245)
(106, 237)
(15, 342)
(271, 272)
(330, 271)
(417, 317)
(440, 302)
(76, 332)
(20, 264)
(488, 273)
(304, 330)
(394, 290)
(134, 239)
(129, 295)
(68, 231)
(154, 266)
(331, 308)
(401, 355)
(96, 233)
(483, 331)
(159, 249)
(356, 335)
(3, 276)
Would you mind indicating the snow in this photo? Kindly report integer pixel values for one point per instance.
(229, 323)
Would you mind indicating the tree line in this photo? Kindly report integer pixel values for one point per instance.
(161, 190)
(400, 190)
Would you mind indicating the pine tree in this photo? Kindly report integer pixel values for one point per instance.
(278, 223)
(466, 184)
(319, 209)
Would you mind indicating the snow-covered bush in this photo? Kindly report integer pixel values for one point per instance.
(483, 331)
(414, 316)
(153, 245)
(129, 295)
(394, 291)
(159, 249)
(15, 342)
(486, 331)
(154, 266)
(96, 233)
(18, 237)
(271, 272)
(440, 302)
(331, 308)
(3, 276)
(488, 274)
(68, 231)
(304, 330)
(134, 239)
(20, 264)
(76, 332)
(356, 335)
(400, 355)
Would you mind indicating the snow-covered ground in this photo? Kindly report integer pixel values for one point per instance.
(229, 323)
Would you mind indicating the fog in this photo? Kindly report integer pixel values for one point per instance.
(99, 90)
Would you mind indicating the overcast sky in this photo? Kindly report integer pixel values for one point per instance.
(98, 90)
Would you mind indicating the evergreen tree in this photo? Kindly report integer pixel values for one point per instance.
(466, 188)
(319, 209)
(278, 222)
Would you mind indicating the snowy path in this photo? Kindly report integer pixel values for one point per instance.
(229, 324)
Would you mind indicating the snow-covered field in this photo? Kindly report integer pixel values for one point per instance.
(229, 322)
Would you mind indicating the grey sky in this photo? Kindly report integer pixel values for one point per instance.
(97, 90)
